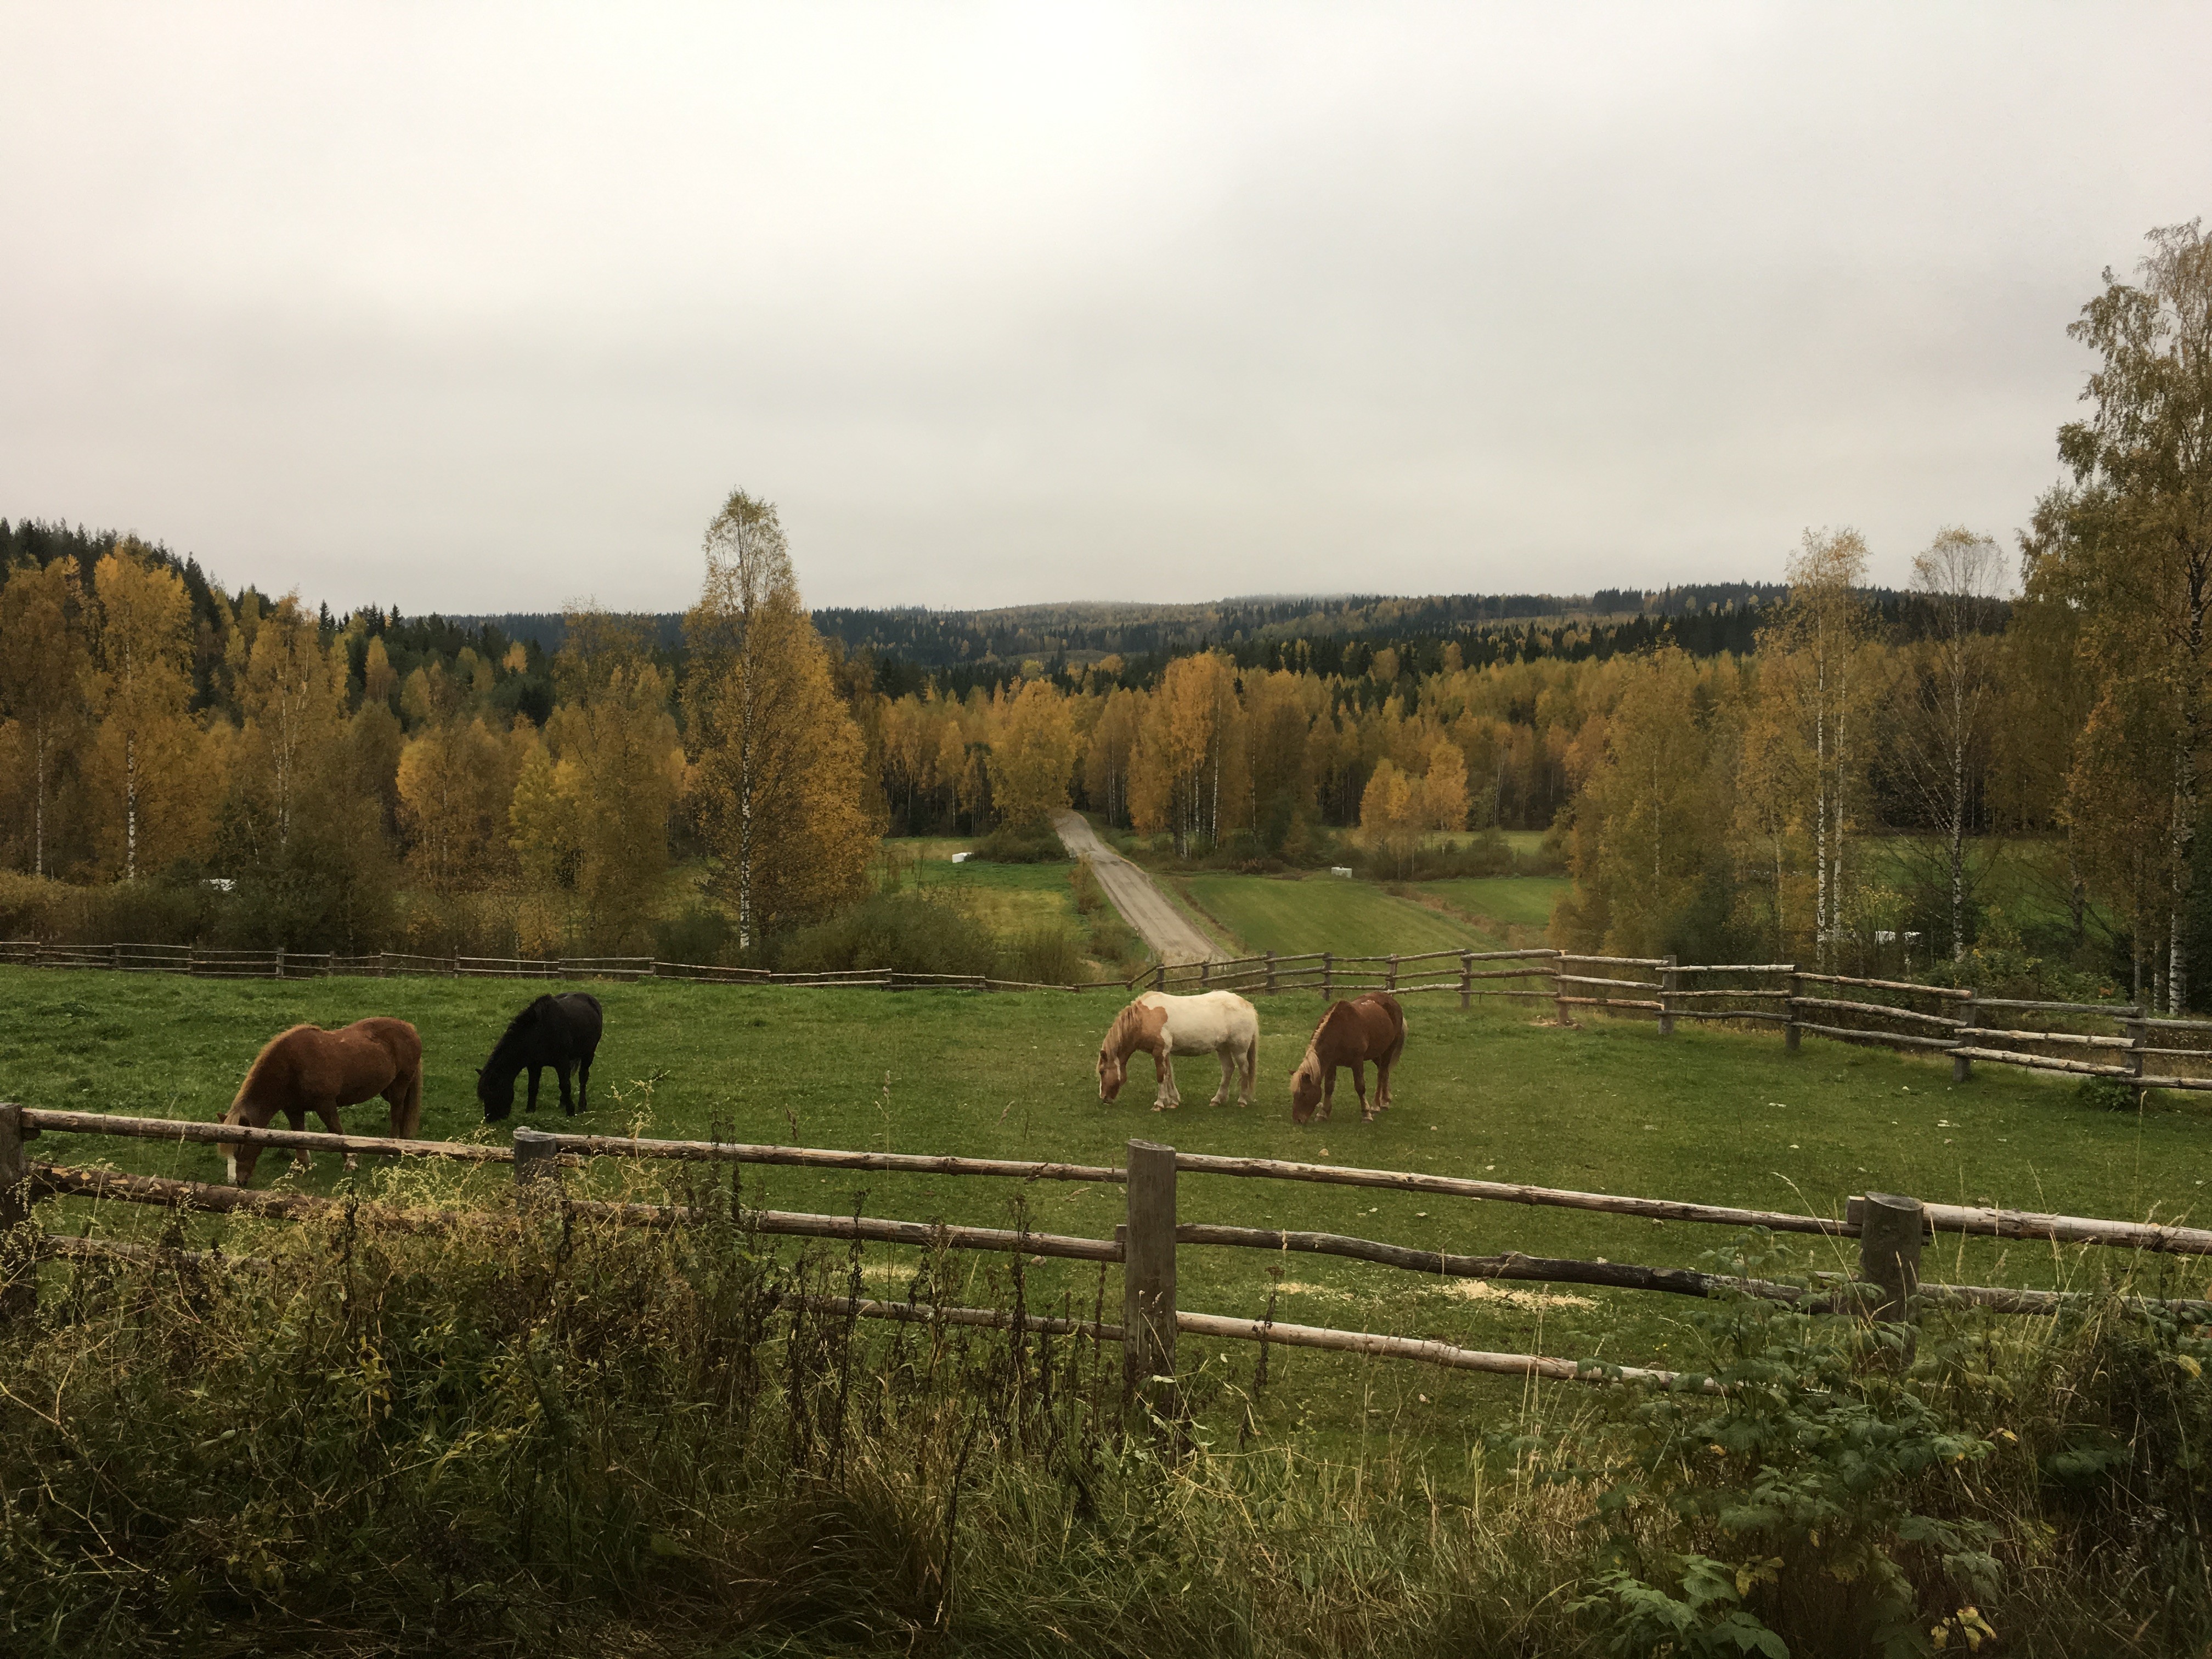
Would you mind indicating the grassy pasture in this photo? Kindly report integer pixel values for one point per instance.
(1497, 903)
(1711, 1116)
(1292, 914)
(1008, 899)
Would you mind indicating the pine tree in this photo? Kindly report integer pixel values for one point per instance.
(43, 668)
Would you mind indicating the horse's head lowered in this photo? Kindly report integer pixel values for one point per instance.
(1123, 1038)
(1305, 1088)
(496, 1094)
(1112, 1070)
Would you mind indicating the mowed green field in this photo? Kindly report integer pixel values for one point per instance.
(1289, 915)
(1496, 901)
(1708, 1115)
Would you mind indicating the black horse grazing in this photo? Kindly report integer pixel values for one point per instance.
(557, 1031)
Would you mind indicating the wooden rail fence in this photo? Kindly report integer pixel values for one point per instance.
(1895, 1014)
(1886, 1285)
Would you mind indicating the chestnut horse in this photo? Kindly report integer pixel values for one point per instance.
(309, 1070)
(1218, 1023)
(1370, 1027)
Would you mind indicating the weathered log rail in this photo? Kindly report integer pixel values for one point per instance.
(1842, 1007)
(1889, 1229)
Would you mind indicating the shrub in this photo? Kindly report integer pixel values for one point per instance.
(1113, 943)
(2105, 1094)
(1044, 955)
(905, 932)
(1809, 1508)
(703, 934)
(1090, 896)
(1009, 845)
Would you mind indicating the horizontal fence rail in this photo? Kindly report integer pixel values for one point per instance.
(1840, 1007)
(1890, 1232)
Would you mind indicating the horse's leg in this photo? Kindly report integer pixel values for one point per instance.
(1328, 1091)
(1227, 1056)
(567, 1100)
(584, 1084)
(531, 1105)
(328, 1111)
(1359, 1087)
(1251, 1069)
(1383, 1082)
(303, 1160)
(240, 1157)
(1166, 1100)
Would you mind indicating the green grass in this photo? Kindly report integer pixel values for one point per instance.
(1708, 1115)
(1290, 914)
(1010, 899)
(1494, 902)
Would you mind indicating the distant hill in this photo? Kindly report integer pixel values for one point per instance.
(934, 640)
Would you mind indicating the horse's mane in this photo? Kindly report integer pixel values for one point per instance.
(519, 1024)
(1120, 1028)
(254, 1071)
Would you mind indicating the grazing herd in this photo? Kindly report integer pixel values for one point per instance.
(306, 1069)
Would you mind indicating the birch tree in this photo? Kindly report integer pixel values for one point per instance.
(2135, 556)
(292, 691)
(1948, 695)
(1811, 665)
(144, 652)
(781, 765)
(1033, 754)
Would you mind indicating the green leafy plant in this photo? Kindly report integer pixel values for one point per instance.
(1806, 1505)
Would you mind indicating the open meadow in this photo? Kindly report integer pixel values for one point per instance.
(1709, 1116)
(1288, 914)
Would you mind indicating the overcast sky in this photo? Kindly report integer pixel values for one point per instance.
(477, 308)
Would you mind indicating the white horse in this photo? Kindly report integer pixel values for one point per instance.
(1219, 1022)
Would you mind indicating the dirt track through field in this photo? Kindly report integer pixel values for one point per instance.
(1142, 905)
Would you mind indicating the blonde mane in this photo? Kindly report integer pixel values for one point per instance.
(1120, 1041)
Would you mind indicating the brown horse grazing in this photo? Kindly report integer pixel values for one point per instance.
(309, 1070)
(1372, 1027)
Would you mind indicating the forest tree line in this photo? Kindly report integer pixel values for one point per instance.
(1857, 775)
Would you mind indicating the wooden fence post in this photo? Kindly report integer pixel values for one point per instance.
(1205, 967)
(1327, 971)
(1271, 973)
(1148, 1277)
(1160, 977)
(1558, 990)
(537, 1158)
(1390, 978)
(1961, 1067)
(1890, 1229)
(1466, 981)
(15, 1210)
(280, 961)
(1790, 1034)
(115, 957)
(2138, 1037)
(1668, 980)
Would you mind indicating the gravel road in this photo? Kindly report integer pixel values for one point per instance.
(1142, 905)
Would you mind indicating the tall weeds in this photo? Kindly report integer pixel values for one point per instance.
(539, 1432)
